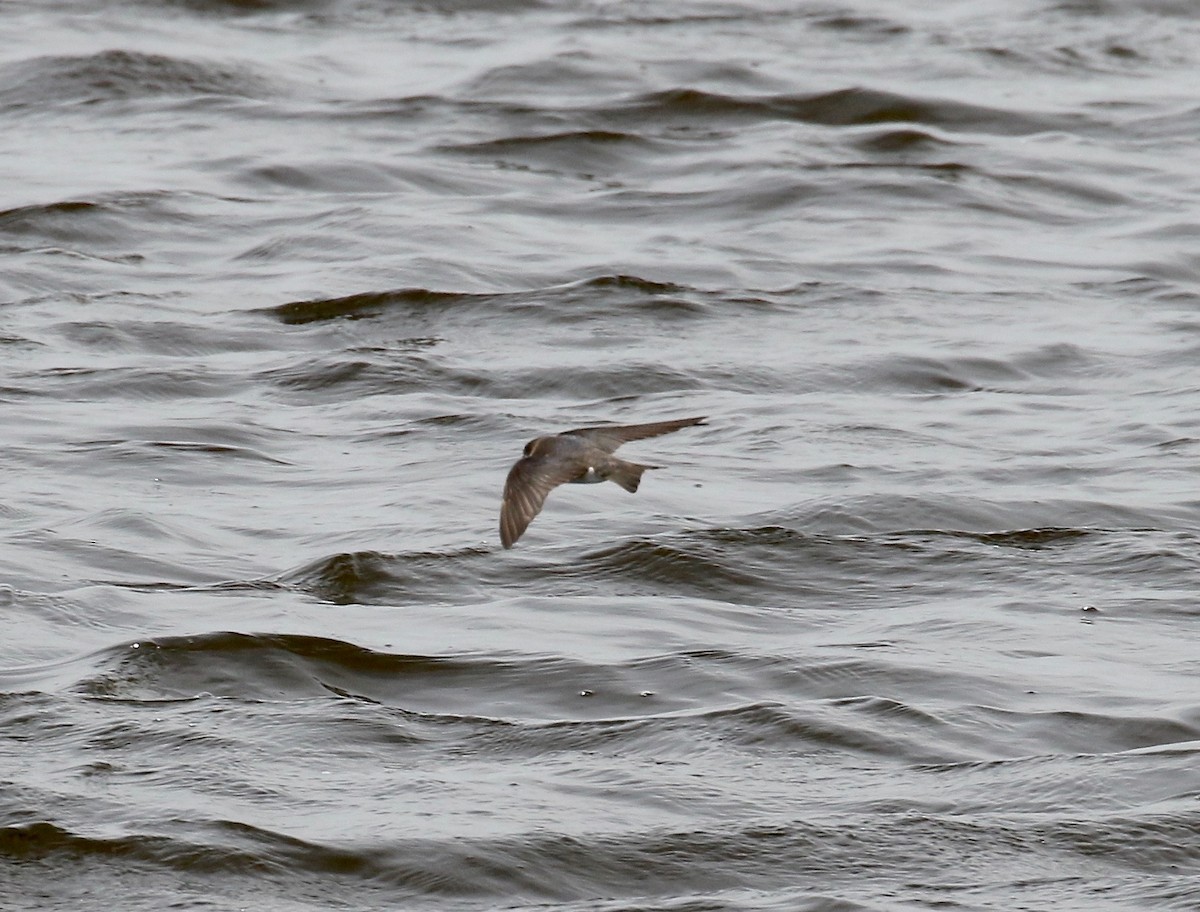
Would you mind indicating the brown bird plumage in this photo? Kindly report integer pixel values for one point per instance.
(581, 456)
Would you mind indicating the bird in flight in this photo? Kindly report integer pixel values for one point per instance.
(581, 456)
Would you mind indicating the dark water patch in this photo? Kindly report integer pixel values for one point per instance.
(784, 565)
(77, 258)
(1082, 733)
(14, 342)
(36, 841)
(1053, 520)
(124, 521)
(219, 586)
(409, 366)
(791, 566)
(364, 577)
(765, 565)
(694, 566)
(113, 219)
(588, 299)
(215, 449)
(657, 705)
(337, 377)
(1050, 781)
(285, 667)
(244, 666)
(164, 737)
(1153, 557)
(753, 731)
(469, 119)
(454, 7)
(477, 423)
(945, 861)
(632, 283)
(1146, 843)
(247, 7)
(573, 152)
(620, 296)
(683, 14)
(639, 378)
(943, 857)
(112, 556)
(469, 574)
(888, 709)
(164, 338)
(563, 74)
(1119, 11)
(738, 734)
(775, 194)
(313, 243)
(678, 565)
(1089, 57)
(1061, 359)
(326, 176)
(854, 733)
(117, 74)
(859, 25)
(164, 457)
(364, 305)
(675, 108)
(57, 221)
(1059, 199)
(135, 384)
(625, 737)
(1030, 539)
(159, 440)
(1144, 287)
(1179, 444)
(892, 142)
(394, 372)
(947, 375)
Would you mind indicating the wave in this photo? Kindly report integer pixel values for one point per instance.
(498, 706)
(546, 303)
(842, 107)
(705, 866)
(119, 74)
(105, 220)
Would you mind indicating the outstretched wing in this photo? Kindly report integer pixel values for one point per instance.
(609, 437)
(529, 481)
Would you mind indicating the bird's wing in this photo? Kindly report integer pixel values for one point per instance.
(529, 481)
(609, 437)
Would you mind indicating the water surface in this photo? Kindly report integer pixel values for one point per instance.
(285, 288)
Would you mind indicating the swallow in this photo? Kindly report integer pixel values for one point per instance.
(582, 456)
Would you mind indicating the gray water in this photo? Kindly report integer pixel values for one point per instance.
(285, 287)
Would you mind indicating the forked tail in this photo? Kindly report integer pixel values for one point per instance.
(629, 474)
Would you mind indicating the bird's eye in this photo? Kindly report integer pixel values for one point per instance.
(529, 447)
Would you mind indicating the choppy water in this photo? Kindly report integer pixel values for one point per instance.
(910, 624)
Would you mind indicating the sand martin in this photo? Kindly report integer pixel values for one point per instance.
(581, 456)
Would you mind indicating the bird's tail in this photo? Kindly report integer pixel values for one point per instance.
(629, 474)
